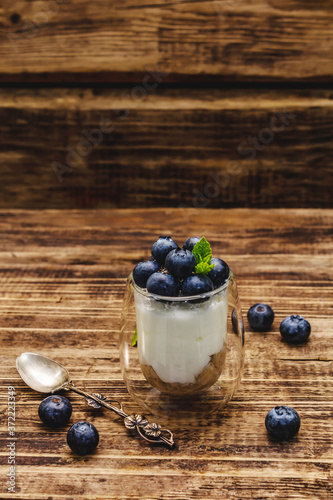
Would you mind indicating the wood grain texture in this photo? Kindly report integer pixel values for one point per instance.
(211, 148)
(252, 40)
(62, 276)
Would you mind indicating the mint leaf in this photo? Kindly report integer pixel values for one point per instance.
(203, 268)
(135, 338)
(203, 255)
(202, 251)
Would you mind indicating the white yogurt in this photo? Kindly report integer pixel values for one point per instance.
(178, 339)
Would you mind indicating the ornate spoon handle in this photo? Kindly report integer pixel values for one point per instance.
(150, 432)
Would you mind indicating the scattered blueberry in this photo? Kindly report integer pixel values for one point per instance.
(180, 263)
(295, 329)
(55, 411)
(190, 242)
(82, 438)
(282, 422)
(196, 284)
(162, 247)
(143, 270)
(260, 317)
(220, 272)
(163, 284)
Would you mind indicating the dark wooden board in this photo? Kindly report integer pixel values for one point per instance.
(119, 40)
(62, 276)
(171, 147)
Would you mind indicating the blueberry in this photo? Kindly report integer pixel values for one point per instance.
(220, 272)
(180, 263)
(162, 247)
(197, 284)
(295, 329)
(55, 411)
(260, 317)
(82, 438)
(143, 270)
(190, 242)
(282, 422)
(163, 284)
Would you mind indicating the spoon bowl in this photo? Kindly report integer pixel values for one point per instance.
(40, 373)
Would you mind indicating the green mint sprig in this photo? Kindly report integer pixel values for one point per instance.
(203, 254)
(135, 338)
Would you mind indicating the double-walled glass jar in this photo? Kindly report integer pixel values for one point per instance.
(189, 353)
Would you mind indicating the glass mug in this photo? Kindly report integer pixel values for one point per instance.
(189, 356)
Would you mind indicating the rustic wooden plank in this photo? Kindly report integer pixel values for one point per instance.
(61, 282)
(237, 434)
(257, 39)
(167, 487)
(211, 148)
(288, 365)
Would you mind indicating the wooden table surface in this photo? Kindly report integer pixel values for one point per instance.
(62, 276)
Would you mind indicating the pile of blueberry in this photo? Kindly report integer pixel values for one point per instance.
(282, 422)
(55, 411)
(173, 271)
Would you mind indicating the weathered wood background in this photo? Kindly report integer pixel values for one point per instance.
(62, 278)
(231, 40)
(174, 78)
(174, 147)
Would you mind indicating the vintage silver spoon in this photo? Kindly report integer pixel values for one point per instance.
(45, 375)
